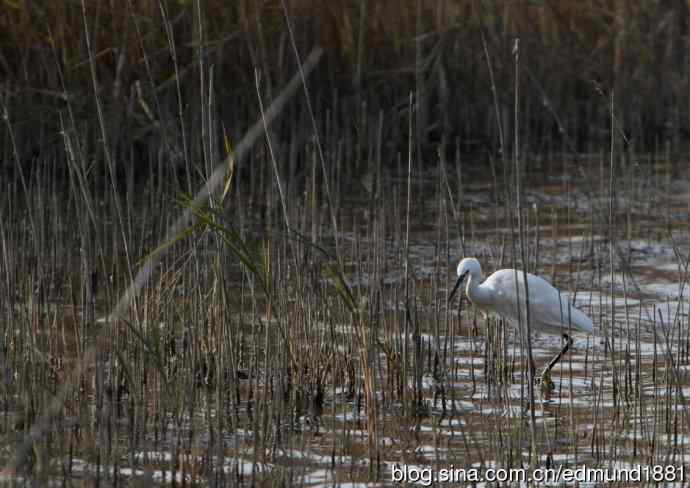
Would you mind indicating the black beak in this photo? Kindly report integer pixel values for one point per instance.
(457, 285)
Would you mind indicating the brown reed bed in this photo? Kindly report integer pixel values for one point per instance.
(232, 370)
(296, 329)
(158, 63)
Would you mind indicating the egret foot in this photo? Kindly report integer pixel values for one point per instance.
(545, 383)
(557, 357)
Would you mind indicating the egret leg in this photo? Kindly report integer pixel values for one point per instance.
(546, 373)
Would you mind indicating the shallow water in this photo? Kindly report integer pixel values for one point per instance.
(618, 398)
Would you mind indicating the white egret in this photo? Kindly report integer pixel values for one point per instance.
(549, 311)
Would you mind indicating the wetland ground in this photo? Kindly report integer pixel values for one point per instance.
(260, 356)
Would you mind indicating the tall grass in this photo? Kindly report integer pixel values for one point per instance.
(157, 61)
(295, 320)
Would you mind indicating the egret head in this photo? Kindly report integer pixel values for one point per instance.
(467, 266)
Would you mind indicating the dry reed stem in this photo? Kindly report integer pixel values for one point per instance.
(213, 183)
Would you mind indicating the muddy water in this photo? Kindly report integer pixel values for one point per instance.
(619, 398)
(619, 401)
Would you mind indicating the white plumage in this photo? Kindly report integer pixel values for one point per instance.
(550, 311)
